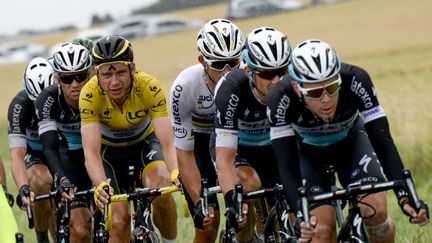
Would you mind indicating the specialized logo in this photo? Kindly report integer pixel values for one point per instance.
(357, 223)
(361, 92)
(151, 154)
(365, 162)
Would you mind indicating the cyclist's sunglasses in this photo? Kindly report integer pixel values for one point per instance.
(270, 74)
(80, 77)
(219, 65)
(318, 92)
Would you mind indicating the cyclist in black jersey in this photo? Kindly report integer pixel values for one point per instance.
(29, 169)
(327, 113)
(241, 124)
(219, 44)
(59, 130)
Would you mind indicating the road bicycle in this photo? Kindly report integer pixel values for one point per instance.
(353, 229)
(278, 224)
(63, 211)
(142, 229)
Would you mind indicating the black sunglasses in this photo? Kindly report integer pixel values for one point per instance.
(80, 77)
(269, 75)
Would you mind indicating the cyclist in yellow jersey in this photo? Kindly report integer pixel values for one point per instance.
(9, 226)
(124, 123)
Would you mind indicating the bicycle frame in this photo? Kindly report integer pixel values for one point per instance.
(62, 213)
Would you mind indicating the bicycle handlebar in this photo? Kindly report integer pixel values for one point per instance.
(143, 193)
(353, 190)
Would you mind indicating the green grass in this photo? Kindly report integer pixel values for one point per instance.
(390, 39)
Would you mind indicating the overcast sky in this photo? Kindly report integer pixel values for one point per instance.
(47, 14)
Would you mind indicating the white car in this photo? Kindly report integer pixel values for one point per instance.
(20, 52)
(238, 9)
(149, 25)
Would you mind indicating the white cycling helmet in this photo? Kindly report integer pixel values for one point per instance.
(220, 39)
(266, 49)
(71, 58)
(313, 61)
(37, 76)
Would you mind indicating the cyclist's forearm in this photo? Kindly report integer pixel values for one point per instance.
(225, 159)
(189, 172)
(380, 137)
(288, 165)
(18, 168)
(95, 169)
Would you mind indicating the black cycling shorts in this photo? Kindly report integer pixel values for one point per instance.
(124, 165)
(353, 160)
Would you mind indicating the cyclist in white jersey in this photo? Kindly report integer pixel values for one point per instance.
(219, 44)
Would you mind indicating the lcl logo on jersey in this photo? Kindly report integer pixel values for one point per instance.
(205, 101)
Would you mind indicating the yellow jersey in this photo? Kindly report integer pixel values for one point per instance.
(9, 225)
(130, 124)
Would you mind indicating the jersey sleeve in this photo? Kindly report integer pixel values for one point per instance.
(278, 112)
(89, 102)
(227, 100)
(154, 94)
(365, 93)
(181, 115)
(44, 109)
(17, 117)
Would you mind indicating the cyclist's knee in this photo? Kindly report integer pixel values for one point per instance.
(377, 208)
(382, 230)
(248, 178)
(156, 177)
(39, 177)
(80, 225)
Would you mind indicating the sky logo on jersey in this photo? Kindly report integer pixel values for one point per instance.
(180, 132)
(205, 101)
(361, 92)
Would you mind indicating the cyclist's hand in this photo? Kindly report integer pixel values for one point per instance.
(9, 196)
(200, 220)
(65, 189)
(25, 196)
(421, 218)
(233, 217)
(100, 196)
(174, 176)
(307, 232)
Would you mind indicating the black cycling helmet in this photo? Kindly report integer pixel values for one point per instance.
(112, 48)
